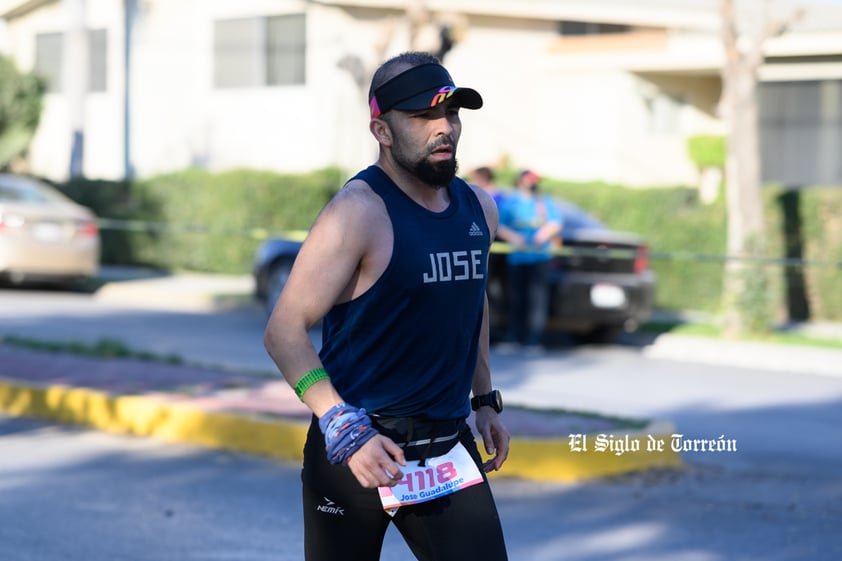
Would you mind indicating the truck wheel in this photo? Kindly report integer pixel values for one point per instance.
(600, 335)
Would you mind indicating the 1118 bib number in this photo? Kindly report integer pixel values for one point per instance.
(440, 476)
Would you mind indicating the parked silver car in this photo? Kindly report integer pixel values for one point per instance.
(44, 236)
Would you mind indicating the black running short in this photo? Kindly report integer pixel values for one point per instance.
(343, 520)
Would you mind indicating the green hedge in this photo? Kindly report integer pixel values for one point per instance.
(211, 220)
(707, 150)
(117, 201)
(227, 207)
(199, 220)
(673, 222)
(21, 102)
(821, 211)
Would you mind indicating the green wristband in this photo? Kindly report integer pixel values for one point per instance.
(303, 384)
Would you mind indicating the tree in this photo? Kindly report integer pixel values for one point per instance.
(436, 33)
(745, 292)
(21, 98)
(428, 31)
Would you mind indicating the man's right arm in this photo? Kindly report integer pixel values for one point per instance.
(326, 265)
(323, 268)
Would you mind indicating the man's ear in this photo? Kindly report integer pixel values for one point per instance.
(381, 131)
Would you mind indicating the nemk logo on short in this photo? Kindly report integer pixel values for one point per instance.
(449, 266)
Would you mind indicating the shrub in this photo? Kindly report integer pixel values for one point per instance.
(203, 221)
(199, 220)
(116, 202)
(707, 151)
(682, 234)
(20, 110)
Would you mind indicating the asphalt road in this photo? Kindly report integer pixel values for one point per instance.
(67, 493)
(782, 418)
(70, 494)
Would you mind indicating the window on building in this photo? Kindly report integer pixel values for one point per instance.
(286, 50)
(261, 51)
(49, 59)
(800, 125)
(575, 28)
(665, 113)
(97, 74)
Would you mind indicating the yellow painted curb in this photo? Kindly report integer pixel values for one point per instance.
(560, 460)
(144, 416)
(539, 459)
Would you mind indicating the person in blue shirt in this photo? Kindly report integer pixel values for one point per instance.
(531, 222)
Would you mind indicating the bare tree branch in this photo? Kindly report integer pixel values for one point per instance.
(776, 29)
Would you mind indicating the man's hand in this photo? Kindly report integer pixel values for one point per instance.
(495, 437)
(375, 464)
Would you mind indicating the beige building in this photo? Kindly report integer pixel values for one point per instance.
(605, 90)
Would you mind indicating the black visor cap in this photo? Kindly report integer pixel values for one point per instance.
(419, 88)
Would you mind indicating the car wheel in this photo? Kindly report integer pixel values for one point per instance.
(278, 276)
(600, 335)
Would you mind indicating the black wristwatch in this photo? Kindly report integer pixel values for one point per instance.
(493, 400)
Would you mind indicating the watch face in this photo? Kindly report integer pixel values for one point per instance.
(493, 399)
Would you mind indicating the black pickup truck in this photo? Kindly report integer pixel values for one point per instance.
(601, 283)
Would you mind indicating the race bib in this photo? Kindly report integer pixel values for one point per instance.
(440, 476)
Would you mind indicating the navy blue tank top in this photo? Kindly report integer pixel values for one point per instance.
(408, 345)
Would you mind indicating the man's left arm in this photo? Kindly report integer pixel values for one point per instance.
(490, 426)
(495, 436)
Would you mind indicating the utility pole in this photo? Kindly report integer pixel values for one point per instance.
(75, 80)
(130, 14)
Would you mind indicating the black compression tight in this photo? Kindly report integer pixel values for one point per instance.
(342, 520)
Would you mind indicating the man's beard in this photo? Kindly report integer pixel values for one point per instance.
(433, 174)
(436, 174)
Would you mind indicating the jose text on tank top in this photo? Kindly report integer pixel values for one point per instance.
(408, 345)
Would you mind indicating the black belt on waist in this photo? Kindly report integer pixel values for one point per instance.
(420, 438)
